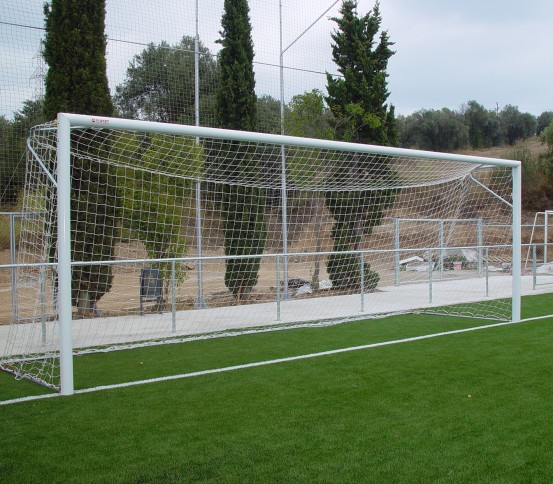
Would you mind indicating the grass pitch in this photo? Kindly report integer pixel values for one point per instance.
(474, 406)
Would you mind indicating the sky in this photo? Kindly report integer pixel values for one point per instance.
(447, 52)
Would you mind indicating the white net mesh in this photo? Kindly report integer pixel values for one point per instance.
(184, 237)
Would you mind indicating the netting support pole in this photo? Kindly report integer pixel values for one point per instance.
(480, 242)
(362, 269)
(283, 167)
(516, 265)
(442, 249)
(396, 251)
(487, 272)
(13, 270)
(173, 298)
(42, 275)
(199, 303)
(64, 255)
(534, 267)
(430, 264)
(545, 236)
(277, 269)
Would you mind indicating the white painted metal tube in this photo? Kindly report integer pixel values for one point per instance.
(64, 254)
(86, 121)
(517, 239)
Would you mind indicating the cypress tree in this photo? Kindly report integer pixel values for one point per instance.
(242, 202)
(76, 82)
(358, 102)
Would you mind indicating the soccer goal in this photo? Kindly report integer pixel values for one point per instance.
(152, 233)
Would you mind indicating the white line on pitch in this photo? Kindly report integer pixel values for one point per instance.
(275, 361)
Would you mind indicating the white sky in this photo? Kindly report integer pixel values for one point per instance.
(447, 52)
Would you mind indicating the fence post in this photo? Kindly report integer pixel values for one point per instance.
(480, 242)
(42, 275)
(534, 267)
(487, 271)
(362, 285)
(442, 250)
(278, 286)
(430, 264)
(396, 251)
(173, 298)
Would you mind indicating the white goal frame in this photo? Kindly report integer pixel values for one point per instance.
(68, 121)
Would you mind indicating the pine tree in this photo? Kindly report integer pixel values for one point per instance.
(242, 205)
(358, 102)
(76, 82)
(358, 98)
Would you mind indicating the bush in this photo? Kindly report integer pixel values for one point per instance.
(345, 273)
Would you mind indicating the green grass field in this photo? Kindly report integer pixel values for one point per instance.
(474, 406)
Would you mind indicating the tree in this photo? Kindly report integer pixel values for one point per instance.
(483, 126)
(76, 82)
(516, 125)
(268, 115)
(154, 199)
(308, 116)
(358, 102)
(543, 121)
(242, 204)
(13, 135)
(160, 84)
(10, 161)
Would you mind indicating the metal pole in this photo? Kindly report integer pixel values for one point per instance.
(200, 300)
(545, 236)
(487, 272)
(42, 275)
(362, 269)
(430, 276)
(278, 286)
(480, 240)
(64, 255)
(534, 268)
(516, 268)
(284, 201)
(396, 251)
(441, 237)
(13, 269)
(173, 298)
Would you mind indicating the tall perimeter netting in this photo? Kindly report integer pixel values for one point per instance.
(177, 237)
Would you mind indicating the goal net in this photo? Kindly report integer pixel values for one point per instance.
(180, 232)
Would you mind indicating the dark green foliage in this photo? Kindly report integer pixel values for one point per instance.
(434, 130)
(76, 82)
(345, 270)
(268, 115)
(13, 135)
(516, 125)
(154, 203)
(308, 116)
(242, 204)
(358, 103)
(473, 125)
(358, 100)
(351, 224)
(244, 234)
(483, 126)
(159, 85)
(75, 51)
(543, 121)
(236, 99)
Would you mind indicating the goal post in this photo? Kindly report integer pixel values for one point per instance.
(333, 262)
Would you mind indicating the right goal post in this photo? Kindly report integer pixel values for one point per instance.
(120, 197)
